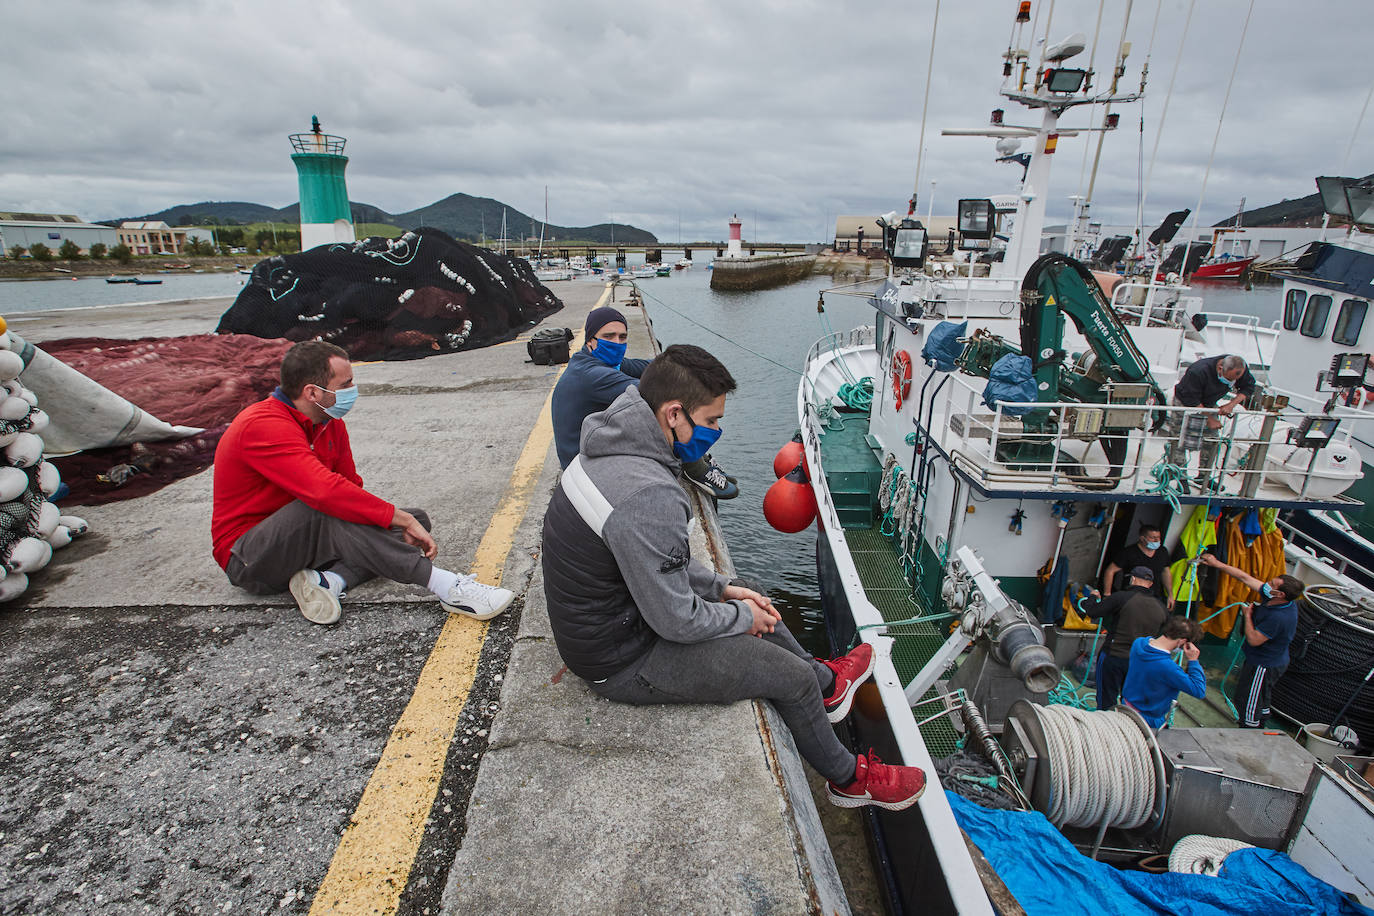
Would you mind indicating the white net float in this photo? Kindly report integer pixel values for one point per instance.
(13, 586)
(38, 420)
(60, 537)
(47, 520)
(26, 449)
(14, 408)
(29, 555)
(75, 524)
(13, 483)
(49, 479)
(10, 365)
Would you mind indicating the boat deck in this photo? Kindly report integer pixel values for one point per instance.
(853, 472)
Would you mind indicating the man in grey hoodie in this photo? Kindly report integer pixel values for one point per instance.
(642, 622)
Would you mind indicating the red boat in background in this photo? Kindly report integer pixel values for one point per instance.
(1223, 268)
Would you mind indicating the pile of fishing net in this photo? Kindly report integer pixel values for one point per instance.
(31, 527)
(418, 295)
(196, 384)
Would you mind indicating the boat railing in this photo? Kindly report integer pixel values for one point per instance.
(1316, 556)
(978, 438)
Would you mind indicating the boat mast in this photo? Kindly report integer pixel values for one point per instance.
(1055, 89)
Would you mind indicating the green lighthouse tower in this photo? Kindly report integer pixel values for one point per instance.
(320, 164)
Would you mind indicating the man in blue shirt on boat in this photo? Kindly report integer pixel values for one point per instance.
(1132, 613)
(1155, 679)
(1270, 625)
(1222, 382)
(597, 375)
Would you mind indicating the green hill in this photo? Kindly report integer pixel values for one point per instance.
(460, 215)
(1300, 211)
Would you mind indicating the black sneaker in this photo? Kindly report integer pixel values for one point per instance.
(711, 479)
(713, 464)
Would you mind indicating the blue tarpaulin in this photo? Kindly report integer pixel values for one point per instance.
(1047, 875)
(1010, 380)
(943, 346)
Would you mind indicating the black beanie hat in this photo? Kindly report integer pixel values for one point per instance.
(599, 318)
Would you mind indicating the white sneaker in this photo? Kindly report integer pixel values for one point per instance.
(473, 599)
(317, 603)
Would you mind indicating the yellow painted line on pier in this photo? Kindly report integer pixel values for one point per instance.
(373, 860)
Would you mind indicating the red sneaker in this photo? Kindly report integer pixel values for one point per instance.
(850, 671)
(876, 783)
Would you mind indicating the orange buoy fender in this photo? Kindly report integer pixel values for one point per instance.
(901, 376)
(789, 505)
(789, 456)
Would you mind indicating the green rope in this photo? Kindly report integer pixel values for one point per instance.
(858, 394)
(1170, 481)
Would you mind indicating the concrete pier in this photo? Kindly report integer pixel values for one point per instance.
(175, 745)
(760, 272)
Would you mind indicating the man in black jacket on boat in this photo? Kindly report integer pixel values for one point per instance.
(1131, 612)
(1205, 384)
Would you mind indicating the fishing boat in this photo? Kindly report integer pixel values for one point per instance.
(973, 459)
(120, 279)
(644, 272)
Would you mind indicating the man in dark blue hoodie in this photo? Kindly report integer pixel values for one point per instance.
(597, 375)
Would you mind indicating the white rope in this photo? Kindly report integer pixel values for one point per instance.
(1198, 854)
(1101, 768)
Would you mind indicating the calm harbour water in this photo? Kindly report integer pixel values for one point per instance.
(84, 292)
(761, 336)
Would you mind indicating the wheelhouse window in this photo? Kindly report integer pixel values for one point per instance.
(1350, 322)
(1315, 315)
(1292, 308)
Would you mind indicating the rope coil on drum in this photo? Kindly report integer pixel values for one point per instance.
(1103, 768)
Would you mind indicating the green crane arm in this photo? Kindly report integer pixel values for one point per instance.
(1057, 285)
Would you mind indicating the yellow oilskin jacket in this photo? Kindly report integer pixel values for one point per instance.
(1197, 534)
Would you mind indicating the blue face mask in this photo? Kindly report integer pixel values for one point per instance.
(1267, 590)
(610, 352)
(1152, 545)
(1224, 380)
(703, 437)
(344, 399)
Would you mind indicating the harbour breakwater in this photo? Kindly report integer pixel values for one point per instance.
(763, 272)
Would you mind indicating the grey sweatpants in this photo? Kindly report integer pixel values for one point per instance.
(297, 537)
(774, 667)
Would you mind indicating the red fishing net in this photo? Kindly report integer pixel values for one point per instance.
(202, 380)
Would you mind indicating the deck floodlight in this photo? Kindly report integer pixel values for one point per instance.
(1063, 79)
(976, 218)
(1113, 119)
(1316, 432)
(1348, 369)
(908, 244)
(997, 114)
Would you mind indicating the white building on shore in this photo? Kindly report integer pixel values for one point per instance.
(51, 229)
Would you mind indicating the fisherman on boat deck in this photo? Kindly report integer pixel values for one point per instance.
(1155, 678)
(1132, 613)
(596, 375)
(1270, 625)
(642, 622)
(290, 511)
(1223, 382)
(1148, 550)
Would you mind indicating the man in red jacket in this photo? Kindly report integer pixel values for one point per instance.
(290, 511)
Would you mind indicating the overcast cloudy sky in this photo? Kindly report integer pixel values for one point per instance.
(652, 113)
